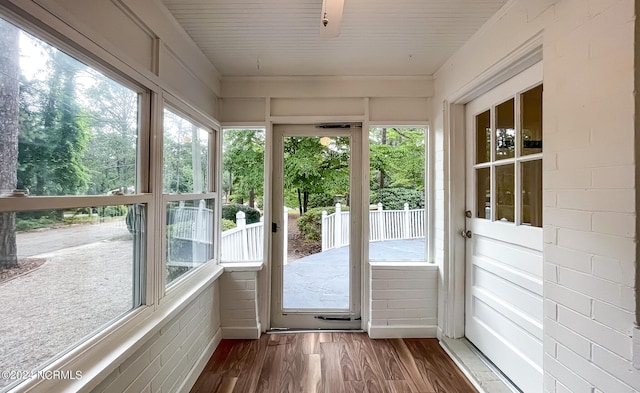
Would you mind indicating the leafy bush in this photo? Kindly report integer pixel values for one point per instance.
(227, 224)
(395, 198)
(112, 211)
(34, 223)
(229, 212)
(319, 200)
(310, 225)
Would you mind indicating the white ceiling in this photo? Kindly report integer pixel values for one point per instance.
(378, 37)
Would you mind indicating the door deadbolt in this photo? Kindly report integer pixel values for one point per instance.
(468, 214)
(465, 234)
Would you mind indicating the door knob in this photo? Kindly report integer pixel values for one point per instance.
(465, 234)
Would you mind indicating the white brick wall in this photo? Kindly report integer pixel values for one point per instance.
(589, 179)
(403, 301)
(164, 362)
(239, 305)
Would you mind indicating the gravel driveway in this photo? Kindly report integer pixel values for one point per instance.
(45, 312)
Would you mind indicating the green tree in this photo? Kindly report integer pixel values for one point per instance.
(185, 155)
(397, 158)
(9, 115)
(312, 168)
(68, 150)
(54, 131)
(243, 163)
(111, 153)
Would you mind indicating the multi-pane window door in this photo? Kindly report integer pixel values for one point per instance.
(508, 160)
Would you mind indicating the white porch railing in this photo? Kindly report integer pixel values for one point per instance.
(383, 225)
(192, 223)
(244, 242)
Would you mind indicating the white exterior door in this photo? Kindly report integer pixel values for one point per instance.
(315, 290)
(503, 312)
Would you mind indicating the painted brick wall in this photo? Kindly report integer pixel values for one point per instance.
(164, 362)
(403, 301)
(590, 207)
(239, 305)
(589, 179)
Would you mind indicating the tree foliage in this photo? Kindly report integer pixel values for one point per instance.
(185, 154)
(243, 165)
(397, 158)
(111, 155)
(54, 131)
(395, 198)
(230, 210)
(312, 168)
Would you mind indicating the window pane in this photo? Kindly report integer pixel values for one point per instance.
(77, 129)
(505, 130)
(397, 210)
(483, 197)
(483, 137)
(504, 193)
(189, 236)
(76, 271)
(532, 121)
(185, 156)
(532, 193)
(243, 186)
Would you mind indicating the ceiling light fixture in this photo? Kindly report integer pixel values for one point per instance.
(331, 18)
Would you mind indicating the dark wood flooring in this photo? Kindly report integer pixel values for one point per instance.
(330, 363)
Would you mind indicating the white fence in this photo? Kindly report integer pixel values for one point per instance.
(244, 242)
(383, 225)
(191, 223)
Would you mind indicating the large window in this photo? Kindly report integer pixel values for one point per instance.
(72, 212)
(188, 195)
(397, 215)
(242, 238)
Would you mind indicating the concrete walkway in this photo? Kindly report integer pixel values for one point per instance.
(322, 280)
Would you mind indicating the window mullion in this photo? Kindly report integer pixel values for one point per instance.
(517, 187)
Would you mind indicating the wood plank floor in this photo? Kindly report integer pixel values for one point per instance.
(330, 363)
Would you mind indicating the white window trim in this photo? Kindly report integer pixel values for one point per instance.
(428, 193)
(244, 265)
(99, 355)
(182, 285)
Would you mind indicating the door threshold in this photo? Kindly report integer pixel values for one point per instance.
(482, 373)
(307, 330)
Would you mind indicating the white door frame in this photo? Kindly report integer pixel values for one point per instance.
(304, 319)
(452, 293)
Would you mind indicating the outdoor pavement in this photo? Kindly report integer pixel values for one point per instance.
(79, 289)
(322, 280)
(47, 240)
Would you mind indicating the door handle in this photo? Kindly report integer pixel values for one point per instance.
(465, 234)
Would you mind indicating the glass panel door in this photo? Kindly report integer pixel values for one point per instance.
(316, 283)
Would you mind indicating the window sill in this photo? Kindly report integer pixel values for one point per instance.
(103, 353)
(419, 264)
(242, 266)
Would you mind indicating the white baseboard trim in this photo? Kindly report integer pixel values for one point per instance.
(201, 363)
(231, 332)
(402, 331)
